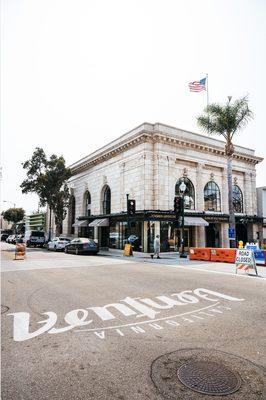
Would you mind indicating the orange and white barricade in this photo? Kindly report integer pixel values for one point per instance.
(20, 251)
(245, 260)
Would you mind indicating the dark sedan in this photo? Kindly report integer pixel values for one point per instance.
(82, 246)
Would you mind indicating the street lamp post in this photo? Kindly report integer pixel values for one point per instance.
(182, 189)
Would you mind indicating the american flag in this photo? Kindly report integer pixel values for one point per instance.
(197, 86)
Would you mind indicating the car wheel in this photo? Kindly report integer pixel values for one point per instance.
(66, 251)
(54, 248)
(77, 252)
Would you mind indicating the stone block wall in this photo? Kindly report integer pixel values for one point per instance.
(149, 170)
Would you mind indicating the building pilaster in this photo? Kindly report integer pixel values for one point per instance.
(199, 206)
(248, 202)
(122, 187)
(224, 235)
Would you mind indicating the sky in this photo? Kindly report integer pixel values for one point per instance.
(76, 74)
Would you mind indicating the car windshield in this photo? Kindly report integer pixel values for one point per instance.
(64, 238)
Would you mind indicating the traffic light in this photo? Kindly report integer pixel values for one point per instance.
(131, 207)
(178, 205)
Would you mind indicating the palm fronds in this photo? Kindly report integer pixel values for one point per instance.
(225, 120)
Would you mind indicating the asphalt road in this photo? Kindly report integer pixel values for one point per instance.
(81, 327)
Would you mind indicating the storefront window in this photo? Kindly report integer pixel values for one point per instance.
(87, 232)
(114, 236)
(135, 237)
(120, 235)
(212, 198)
(170, 237)
(237, 199)
(189, 194)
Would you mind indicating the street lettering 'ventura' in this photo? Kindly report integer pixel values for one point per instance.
(128, 307)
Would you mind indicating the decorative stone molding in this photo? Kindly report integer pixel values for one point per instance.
(212, 176)
(185, 172)
(211, 167)
(71, 185)
(185, 163)
(122, 166)
(85, 186)
(235, 181)
(104, 180)
(157, 137)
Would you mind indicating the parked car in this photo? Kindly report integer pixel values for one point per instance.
(58, 243)
(34, 238)
(4, 236)
(82, 246)
(11, 239)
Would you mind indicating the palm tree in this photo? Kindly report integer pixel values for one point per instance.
(226, 120)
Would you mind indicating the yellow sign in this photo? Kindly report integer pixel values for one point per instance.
(128, 250)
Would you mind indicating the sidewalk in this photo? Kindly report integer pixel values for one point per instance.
(173, 260)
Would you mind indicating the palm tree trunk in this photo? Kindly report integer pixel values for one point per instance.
(232, 223)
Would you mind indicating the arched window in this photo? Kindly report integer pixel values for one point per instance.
(106, 202)
(189, 194)
(87, 203)
(212, 198)
(237, 199)
(72, 214)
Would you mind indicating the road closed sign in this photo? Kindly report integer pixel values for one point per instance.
(245, 260)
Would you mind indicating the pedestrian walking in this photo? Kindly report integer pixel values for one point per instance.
(156, 245)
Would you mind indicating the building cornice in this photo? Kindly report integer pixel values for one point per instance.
(154, 137)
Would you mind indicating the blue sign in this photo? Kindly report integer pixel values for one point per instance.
(259, 256)
(231, 233)
(251, 247)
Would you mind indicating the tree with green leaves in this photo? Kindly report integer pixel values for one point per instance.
(14, 215)
(47, 178)
(226, 120)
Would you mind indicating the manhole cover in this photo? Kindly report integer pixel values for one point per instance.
(209, 378)
(190, 374)
(4, 309)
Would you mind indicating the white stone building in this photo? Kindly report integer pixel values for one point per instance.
(149, 163)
